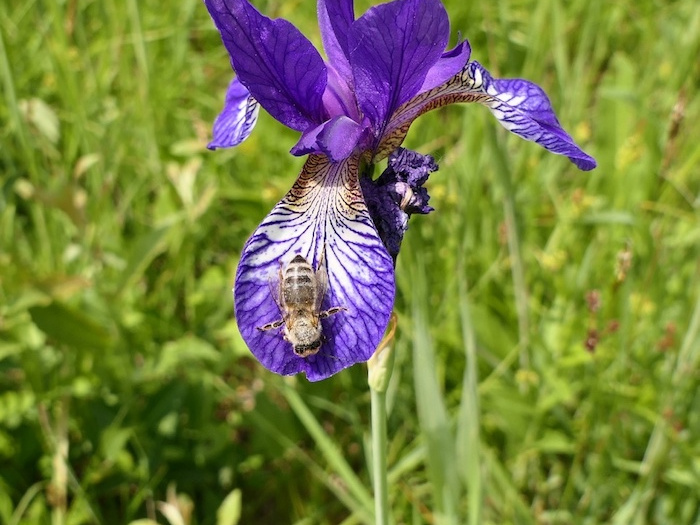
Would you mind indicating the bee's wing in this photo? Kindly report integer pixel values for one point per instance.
(321, 281)
(276, 289)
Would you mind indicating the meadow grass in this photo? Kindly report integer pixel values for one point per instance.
(548, 343)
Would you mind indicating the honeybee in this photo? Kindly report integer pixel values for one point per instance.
(300, 292)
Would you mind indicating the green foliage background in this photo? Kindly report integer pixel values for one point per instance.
(549, 320)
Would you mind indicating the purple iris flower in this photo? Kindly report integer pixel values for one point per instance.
(383, 70)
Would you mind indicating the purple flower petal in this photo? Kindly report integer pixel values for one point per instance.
(323, 213)
(520, 106)
(523, 108)
(237, 120)
(279, 66)
(334, 19)
(339, 97)
(340, 137)
(308, 142)
(336, 138)
(392, 48)
(451, 63)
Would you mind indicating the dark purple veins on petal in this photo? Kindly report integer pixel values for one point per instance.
(323, 213)
(279, 66)
(392, 48)
(334, 19)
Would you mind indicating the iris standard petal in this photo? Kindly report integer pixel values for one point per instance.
(520, 106)
(279, 66)
(237, 120)
(324, 213)
(334, 19)
(392, 48)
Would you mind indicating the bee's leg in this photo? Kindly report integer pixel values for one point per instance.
(323, 348)
(331, 311)
(270, 326)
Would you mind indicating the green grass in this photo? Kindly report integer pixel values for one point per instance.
(548, 347)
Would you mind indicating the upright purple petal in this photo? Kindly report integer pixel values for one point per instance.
(334, 19)
(392, 48)
(237, 120)
(324, 213)
(279, 66)
(520, 106)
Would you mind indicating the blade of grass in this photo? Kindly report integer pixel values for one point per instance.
(503, 493)
(432, 413)
(468, 420)
(503, 172)
(15, 118)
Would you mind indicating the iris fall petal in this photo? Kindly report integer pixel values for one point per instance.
(520, 106)
(523, 108)
(237, 120)
(325, 213)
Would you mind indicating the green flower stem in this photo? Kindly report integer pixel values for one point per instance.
(380, 366)
(379, 446)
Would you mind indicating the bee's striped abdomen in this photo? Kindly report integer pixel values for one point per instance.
(299, 284)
